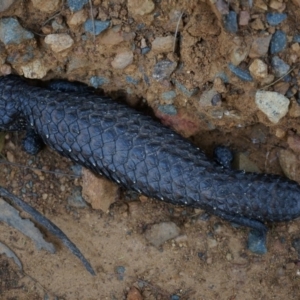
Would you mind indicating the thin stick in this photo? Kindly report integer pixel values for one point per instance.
(176, 31)
(279, 78)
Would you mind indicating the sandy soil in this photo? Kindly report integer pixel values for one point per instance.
(209, 259)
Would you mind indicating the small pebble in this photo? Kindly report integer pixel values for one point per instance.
(140, 7)
(296, 245)
(97, 81)
(76, 5)
(77, 18)
(163, 69)
(168, 95)
(36, 69)
(296, 38)
(168, 109)
(280, 68)
(163, 44)
(122, 60)
(76, 199)
(145, 50)
(273, 104)
(278, 42)
(222, 7)
(260, 46)
(230, 22)
(132, 80)
(46, 6)
(244, 18)
(59, 42)
(257, 242)
(100, 26)
(175, 297)
(6, 4)
(275, 18)
(185, 90)
(120, 270)
(258, 69)
(162, 232)
(11, 32)
(240, 73)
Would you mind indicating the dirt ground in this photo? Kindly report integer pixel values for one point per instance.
(210, 258)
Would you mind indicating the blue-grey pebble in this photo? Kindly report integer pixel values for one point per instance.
(168, 95)
(132, 80)
(275, 18)
(175, 297)
(163, 69)
(120, 270)
(76, 5)
(296, 245)
(296, 38)
(230, 22)
(100, 26)
(257, 242)
(76, 199)
(145, 50)
(185, 90)
(168, 109)
(97, 81)
(278, 42)
(279, 66)
(240, 73)
(11, 32)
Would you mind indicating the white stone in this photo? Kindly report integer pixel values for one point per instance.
(140, 7)
(163, 44)
(35, 69)
(122, 60)
(78, 18)
(59, 42)
(274, 105)
(47, 6)
(258, 69)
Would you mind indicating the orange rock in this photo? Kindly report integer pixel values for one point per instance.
(134, 294)
(98, 191)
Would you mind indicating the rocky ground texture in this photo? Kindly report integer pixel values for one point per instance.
(219, 73)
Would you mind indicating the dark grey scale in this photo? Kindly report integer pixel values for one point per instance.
(32, 143)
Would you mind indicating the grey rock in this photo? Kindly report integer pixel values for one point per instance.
(100, 26)
(230, 22)
(163, 69)
(296, 38)
(278, 42)
(274, 105)
(257, 242)
(275, 18)
(11, 32)
(280, 68)
(76, 199)
(168, 109)
(132, 80)
(97, 81)
(145, 50)
(168, 95)
(6, 4)
(76, 5)
(162, 232)
(185, 90)
(240, 73)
